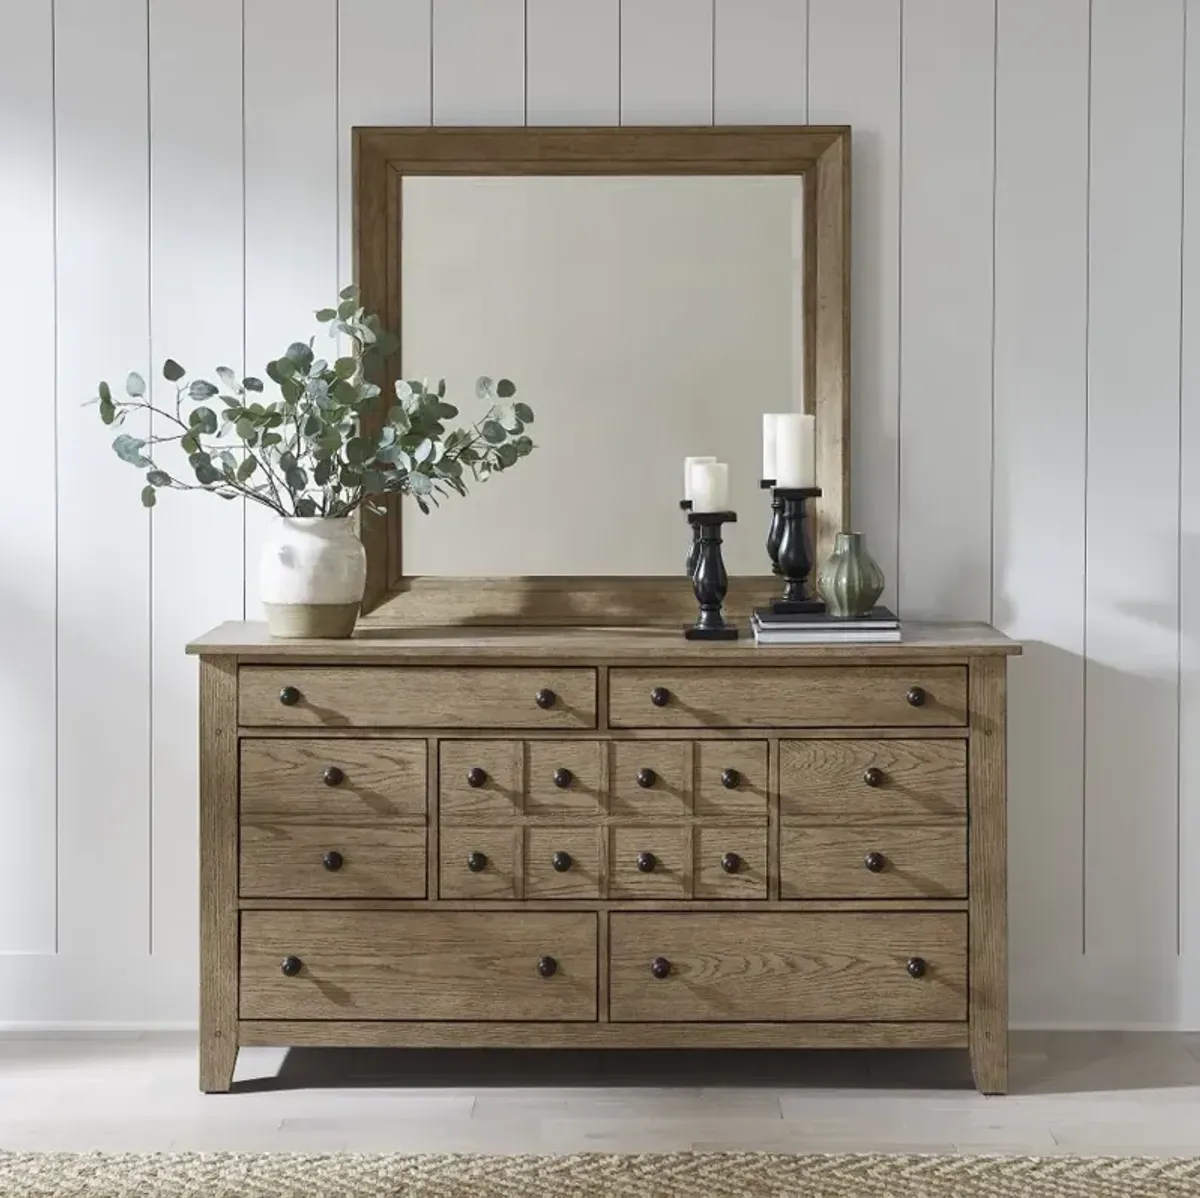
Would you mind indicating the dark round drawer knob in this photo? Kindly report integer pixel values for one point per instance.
(646, 778)
(916, 967)
(873, 776)
(660, 967)
(731, 863)
(545, 698)
(477, 862)
(476, 776)
(289, 696)
(731, 779)
(875, 862)
(291, 966)
(333, 861)
(916, 696)
(547, 967)
(646, 862)
(660, 696)
(333, 776)
(561, 861)
(563, 778)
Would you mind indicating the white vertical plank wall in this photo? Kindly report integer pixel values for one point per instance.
(1026, 403)
(854, 79)
(28, 900)
(1132, 600)
(1040, 450)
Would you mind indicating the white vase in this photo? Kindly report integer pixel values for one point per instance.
(312, 576)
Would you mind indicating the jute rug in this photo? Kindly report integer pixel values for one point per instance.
(675, 1175)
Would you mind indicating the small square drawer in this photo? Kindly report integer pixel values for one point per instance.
(873, 781)
(876, 862)
(563, 777)
(479, 863)
(480, 780)
(415, 697)
(788, 697)
(730, 863)
(731, 778)
(334, 781)
(562, 863)
(649, 778)
(648, 863)
(289, 860)
(768, 967)
(419, 965)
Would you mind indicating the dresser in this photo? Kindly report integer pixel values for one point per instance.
(589, 838)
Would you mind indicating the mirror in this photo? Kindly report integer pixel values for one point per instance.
(643, 318)
(652, 292)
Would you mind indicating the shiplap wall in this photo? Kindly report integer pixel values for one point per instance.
(1026, 299)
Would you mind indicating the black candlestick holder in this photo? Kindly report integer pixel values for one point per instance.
(709, 580)
(794, 562)
(775, 532)
(685, 505)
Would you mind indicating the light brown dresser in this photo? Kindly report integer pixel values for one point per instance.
(588, 838)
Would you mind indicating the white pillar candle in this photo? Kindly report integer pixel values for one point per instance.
(795, 450)
(710, 487)
(769, 419)
(688, 463)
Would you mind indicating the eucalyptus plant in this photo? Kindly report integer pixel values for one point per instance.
(328, 444)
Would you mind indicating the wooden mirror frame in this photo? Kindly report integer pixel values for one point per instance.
(820, 154)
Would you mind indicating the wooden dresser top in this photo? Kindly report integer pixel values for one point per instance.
(249, 641)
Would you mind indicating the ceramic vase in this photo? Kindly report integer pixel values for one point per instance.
(312, 575)
(850, 582)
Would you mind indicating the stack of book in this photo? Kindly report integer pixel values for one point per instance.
(879, 627)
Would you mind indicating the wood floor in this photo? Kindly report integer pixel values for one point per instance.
(1089, 1093)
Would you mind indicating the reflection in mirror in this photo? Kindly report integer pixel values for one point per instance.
(643, 319)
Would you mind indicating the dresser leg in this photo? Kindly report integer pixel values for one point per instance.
(217, 1060)
(989, 1061)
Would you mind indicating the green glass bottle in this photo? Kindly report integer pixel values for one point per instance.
(850, 582)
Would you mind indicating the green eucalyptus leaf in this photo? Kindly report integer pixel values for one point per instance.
(269, 439)
(345, 392)
(135, 385)
(300, 354)
(291, 390)
(252, 384)
(493, 433)
(323, 471)
(507, 455)
(325, 315)
(348, 293)
(305, 506)
(158, 478)
(104, 391)
(172, 371)
(359, 450)
(505, 389)
(200, 390)
(523, 413)
(350, 477)
(483, 387)
(296, 478)
(129, 449)
(347, 308)
(275, 374)
(108, 411)
(245, 428)
(373, 482)
(523, 446)
(229, 379)
(404, 391)
(312, 426)
(423, 452)
(228, 462)
(420, 484)
(344, 368)
(149, 497)
(189, 443)
(248, 466)
(203, 420)
(446, 411)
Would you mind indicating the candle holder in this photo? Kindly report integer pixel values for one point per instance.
(709, 580)
(794, 562)
(685, 505)
(775, 532)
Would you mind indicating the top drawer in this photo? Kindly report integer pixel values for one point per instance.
(789, 697)
(415, 697)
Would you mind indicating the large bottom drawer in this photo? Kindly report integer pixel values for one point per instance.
(793, 966)
(442, 965)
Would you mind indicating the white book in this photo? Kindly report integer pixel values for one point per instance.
(834, 637)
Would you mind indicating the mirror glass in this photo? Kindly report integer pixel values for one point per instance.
(643, 319)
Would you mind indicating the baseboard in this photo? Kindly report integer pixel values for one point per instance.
(26, 1029)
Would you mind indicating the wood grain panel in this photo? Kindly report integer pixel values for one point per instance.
(432, 965)
(669, 797)
(413, 697)
(581, 880)
(788, 967)
(768, 697)
(668, 878)
(711, 880)
(381, 781)
(747, 798)
(282, 859)
(918, 781)
(502, 794)
(583, 759)
(1131, 851)
(822, 862)
(28, 632)
(572, 62)
(501, 877)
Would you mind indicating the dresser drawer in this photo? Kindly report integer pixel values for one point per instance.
(479, 863)
(873, 781)
(731, 779)
(480, 780)
(334, 781)
(562, 863)
(789, 697)
(290, 860)
(787, 967)
(876, 862)
(649, 779)
(416, 697)
(648, 863)
(730, 863)
(436, 965)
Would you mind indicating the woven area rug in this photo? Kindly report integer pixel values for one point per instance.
(675, 1175)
